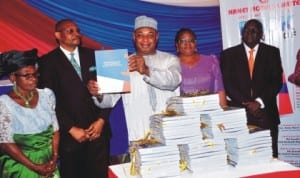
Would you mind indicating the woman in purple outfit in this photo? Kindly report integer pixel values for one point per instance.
(200, 73)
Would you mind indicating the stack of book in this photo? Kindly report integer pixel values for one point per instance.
(156, 161)
(231, 126)
(220, 124)
(175, 129)
(182, 104)
(195, 134)
(203, 156)
(250, 148)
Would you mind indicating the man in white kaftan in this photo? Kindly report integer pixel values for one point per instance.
(154, 77)
(161, 84)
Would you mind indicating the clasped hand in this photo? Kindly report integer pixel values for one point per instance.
(46, 169)
(253, 107)
(91, 133)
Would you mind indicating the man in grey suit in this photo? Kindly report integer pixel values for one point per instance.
(85, 131)
(255, 86)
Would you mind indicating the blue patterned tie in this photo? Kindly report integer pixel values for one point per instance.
(75, 65)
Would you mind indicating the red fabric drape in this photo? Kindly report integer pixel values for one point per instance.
(22, 27)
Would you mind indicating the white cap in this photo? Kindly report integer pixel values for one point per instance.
(144, 21)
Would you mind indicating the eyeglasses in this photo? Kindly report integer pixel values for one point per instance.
(28, 76)
(185, 41)
(70, 30)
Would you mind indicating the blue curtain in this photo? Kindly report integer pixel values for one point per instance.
(111, 22)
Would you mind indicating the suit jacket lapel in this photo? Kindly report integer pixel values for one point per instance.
(244, 61)
(258, 59)
(83, 64)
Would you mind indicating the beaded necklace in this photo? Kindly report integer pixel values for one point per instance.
(26, 100)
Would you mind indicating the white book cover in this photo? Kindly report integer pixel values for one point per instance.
(195, 99)
(157, 149)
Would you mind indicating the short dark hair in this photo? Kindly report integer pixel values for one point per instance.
(184, 30)
(257, 23)
(60, 23)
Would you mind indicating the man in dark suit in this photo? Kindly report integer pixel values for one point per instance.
(85, 132)
(256, 86)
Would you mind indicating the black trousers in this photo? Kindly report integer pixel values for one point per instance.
(88, 159)
(274, 135)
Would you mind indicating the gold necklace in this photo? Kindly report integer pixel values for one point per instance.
(23, 98)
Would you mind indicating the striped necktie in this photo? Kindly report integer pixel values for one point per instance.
(75, 65)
